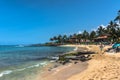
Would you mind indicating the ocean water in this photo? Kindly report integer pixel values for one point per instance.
(23, 63)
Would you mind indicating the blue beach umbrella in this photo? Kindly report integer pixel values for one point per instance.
(116, 45)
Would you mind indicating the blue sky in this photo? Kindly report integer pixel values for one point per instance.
(35, 21)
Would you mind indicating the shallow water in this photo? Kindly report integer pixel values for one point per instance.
(23, 63)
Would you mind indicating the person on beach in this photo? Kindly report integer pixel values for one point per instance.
(101, 47)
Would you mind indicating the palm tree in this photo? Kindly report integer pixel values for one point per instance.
(118, 33)
(69, 38)
(110, 28)
(92, 35)
(79, 37)
(100, 31)
(75, 38)
(51, 39)
(85, 35)
(118, 17)
(59, 39)
(112, 31)
(64, 39)
(55, 38)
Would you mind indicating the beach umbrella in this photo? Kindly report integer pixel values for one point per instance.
(116, 45)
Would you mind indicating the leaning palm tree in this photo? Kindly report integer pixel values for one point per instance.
(118, 17)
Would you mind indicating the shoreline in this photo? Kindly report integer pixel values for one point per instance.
(63, 72)
(91, 69)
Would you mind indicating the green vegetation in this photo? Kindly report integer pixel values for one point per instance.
(112, 29)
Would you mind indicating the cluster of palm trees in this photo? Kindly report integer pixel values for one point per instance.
(75, 38)
(113, 29)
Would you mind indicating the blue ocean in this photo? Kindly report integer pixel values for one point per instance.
(23, 63)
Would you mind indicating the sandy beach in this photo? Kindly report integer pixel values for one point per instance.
(63, 72)
(103, 66)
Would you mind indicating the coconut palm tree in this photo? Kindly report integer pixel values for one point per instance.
(75, 38)
(55, 38)
(64, 38)
(112, 30)
(85, 35)
(51, 39)
(100, 31)
(118, 33)
(92, 35)
(69, 38)
(59, 38)
(79, 37)
(118, 17)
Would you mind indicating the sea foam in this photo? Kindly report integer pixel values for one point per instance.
(10, 71)
(5, 72)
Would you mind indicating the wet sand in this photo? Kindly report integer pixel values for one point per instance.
(63, 72)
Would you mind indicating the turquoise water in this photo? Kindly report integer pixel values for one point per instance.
(23, 63)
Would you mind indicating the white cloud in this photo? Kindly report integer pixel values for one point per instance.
(94, 29)
(79, 32)
(118, 24)
(103, 26)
